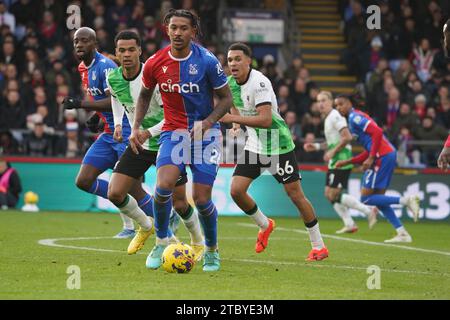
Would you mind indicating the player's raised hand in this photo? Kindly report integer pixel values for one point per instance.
(134, 142)
(71, 103)
(118, 133)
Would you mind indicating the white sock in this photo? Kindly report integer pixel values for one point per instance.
(173, 239)
(132, 210)
(354, 203)
(127, 222)
(344, 214)
(164, 241)
(260, 219)
(401, 230)
(192, 224)
(315, 237)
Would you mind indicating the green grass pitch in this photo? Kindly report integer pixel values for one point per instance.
(33, 270)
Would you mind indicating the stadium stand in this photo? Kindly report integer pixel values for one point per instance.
(400, 71)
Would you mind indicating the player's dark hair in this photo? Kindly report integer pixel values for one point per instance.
(354, 99)
(182, 13)
(243, 47)
(128, 35)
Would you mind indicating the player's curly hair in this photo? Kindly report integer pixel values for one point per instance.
(195, 20)
(355, 99)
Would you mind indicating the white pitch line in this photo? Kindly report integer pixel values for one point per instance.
(52, 243)
(444, 253)
(314, 265)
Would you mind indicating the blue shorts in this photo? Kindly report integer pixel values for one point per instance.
(379, 176)
(104, 152)
(175, 148)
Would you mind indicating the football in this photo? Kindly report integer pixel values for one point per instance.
(178, 258)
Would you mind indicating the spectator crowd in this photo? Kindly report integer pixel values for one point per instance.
(403, 74)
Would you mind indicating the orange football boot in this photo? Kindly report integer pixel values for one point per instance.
(317, 255)
(263, 237)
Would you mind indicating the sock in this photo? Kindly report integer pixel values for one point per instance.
(100, 188)
(260, 219)
(161, 211)
(131, 209)
(314, 234)
(344, 214)
(389, 214)
(401, 230)
(208, 218)
(403, 200)
(162, 241)
(380, 200)
(127, 221)
(354, 203)
(192, 223)
(146, 204)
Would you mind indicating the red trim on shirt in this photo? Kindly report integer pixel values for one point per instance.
(377, 135)
(360, 158)
(447, 143)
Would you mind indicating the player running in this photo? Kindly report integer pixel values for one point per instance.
(104, 152)
(188, 75)
(338, 138)
(378, 161)
(269, 147)
(124, 84)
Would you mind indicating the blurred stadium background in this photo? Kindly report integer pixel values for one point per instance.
(302, 46)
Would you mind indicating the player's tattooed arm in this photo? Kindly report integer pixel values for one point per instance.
(142, 106)
(223, 106)
(143, 102)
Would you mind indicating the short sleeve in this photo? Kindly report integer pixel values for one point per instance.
(157, 96)
(359, 122)
(148, 79)
(340, 123)
(109, 66)
(215, 72)
(261, 90)
(108, 85)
